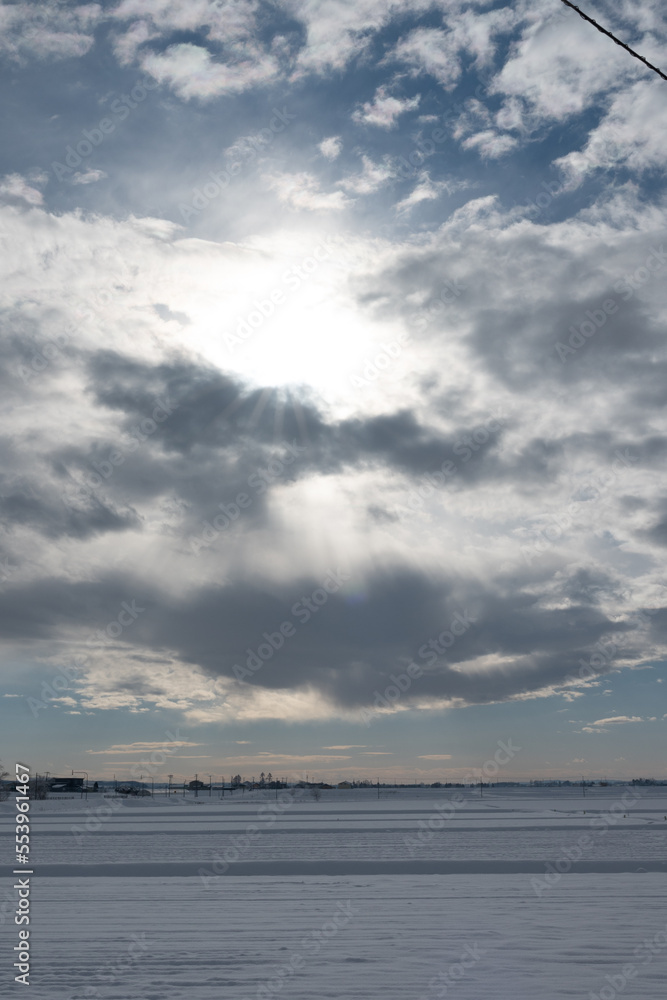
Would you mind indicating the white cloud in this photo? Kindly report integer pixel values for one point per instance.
(331, 148)
(347, 746)
(631, 135)
(433, 51)
(143, 747)
(45, 30)
(264, 756)
(601, 725)
(89, 177)
(424, 190)
(371, 179)
(384, 110)
(476, 123)
(438, 51)
(338, 30)
(192, 71)
(560, 67)
(126, 45)
(491, 145)
(302, 191)
(15, 187)
(617, 718)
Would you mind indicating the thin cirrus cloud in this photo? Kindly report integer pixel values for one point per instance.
(303, 192)
(47, 31)
(601, 725)
(143, 746)
(88, 177)
(347, 746)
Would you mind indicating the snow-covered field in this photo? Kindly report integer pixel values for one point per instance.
(524, 893)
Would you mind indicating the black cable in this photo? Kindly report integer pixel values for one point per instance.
(615, 39)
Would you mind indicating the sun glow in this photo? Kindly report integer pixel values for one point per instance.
(288, 321)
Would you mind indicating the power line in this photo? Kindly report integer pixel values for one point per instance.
(615, 39)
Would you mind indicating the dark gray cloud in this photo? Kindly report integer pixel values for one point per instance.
(346, 648)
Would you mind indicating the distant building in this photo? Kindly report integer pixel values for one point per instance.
(344, 784)
(71, 784)
(131, 788)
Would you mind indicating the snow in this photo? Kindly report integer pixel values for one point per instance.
(391, 917)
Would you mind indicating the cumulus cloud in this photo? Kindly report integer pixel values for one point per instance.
(561, 69)
(384, 110)
(490, 144)
(192, 71)
(430, 50)
(231, 61)
(424, 190)
(331, 147)
(337, 31)
(438, 51)
(629, 135)
(15, 187)
(372, 177)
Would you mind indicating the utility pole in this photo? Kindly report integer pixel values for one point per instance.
(169, 776)
(196, 789)
(210, 785)
(86, 784)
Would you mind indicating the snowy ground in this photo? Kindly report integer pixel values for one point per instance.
(341, 898)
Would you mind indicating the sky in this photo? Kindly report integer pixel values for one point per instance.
(333, 388)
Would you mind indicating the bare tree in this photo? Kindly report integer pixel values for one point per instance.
(4, 791)
(40, 789)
